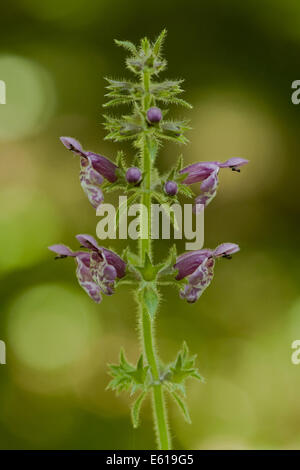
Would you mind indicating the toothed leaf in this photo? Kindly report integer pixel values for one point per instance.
(136, 408)
(129, 46)
(182, 406)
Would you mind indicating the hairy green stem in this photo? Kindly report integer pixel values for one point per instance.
(159, 409)
(146, 200)
(158, 399)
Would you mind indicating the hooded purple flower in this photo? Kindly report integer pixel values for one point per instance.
(207, 174)
(198, 268)
(93, 168)
(97, 268)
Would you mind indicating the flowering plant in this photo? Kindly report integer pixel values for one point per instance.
(100, 271)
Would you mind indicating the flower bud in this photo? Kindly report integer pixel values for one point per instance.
(171, 188)
(133, 175)
(154, 114)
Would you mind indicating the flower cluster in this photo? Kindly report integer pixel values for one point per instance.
(206, 173)
(198, 268)
(93, 169)
(97, 269)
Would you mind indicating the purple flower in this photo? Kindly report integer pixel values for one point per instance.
(97, 268)
(93, 168)
(198, 268)
(207, 174)
(154, 115)
(171, 188)
(133, 175)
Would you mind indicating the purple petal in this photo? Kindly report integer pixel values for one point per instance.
(84, 257)
(200, 274)
(110, 272)
(114, 260)
(94, 194)
(101, 273)
(234, 162)
(62, 250)
(103, 165)
(188, 262)
(86, 281)
(90, 180)
(210, 183)
(88, 241)
(73, 145)
(209, 189)
(189, 293)
(198, 172)
(226, 249)
(198, 281)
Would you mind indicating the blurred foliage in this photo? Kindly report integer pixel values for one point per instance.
(238, 60)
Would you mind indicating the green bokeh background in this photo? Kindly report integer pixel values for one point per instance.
(239, 60)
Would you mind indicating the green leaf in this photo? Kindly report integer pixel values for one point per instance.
(118, 101)
(180, 139)
(152, 145)
(166, 89)
(129, 257)
(182, 405)
(151, 299)
(145, 45)
(120, 160)
(126, 376)
(148, 271)
(127, 127)
(168, 265)
(129, 46)
(182, 368)
(185, 191)
(174, 100)
(179, 164)
(111, 187)
(140, 373)
(159, 42)
(135, 64)
(155, 178)
(136, 408)
(159, 196)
